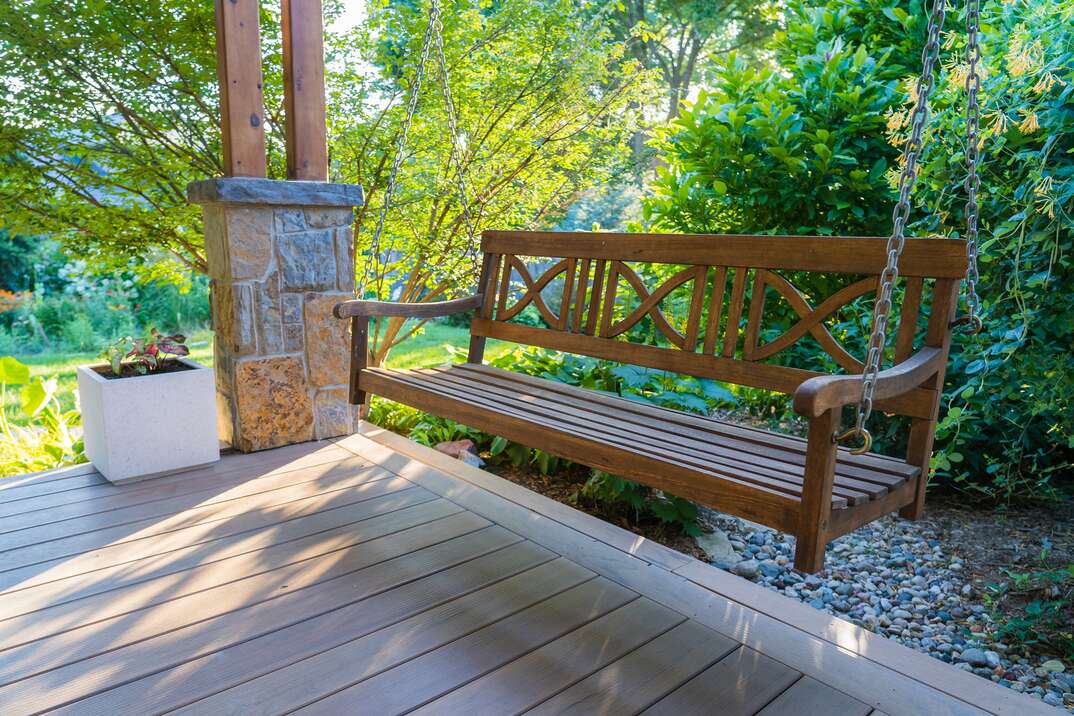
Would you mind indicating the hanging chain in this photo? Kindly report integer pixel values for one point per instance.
(400, 147)
(897, 240)
(453, 127)
(972, 319)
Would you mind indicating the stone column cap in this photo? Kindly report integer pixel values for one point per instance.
(253, 190)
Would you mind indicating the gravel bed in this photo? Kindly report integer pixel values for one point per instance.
(894, 578)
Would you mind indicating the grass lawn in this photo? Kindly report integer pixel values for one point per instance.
(432, 347)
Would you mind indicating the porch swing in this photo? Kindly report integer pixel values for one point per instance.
(812, 488)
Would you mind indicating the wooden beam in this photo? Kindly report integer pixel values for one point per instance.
(303, 90)
(242, 109)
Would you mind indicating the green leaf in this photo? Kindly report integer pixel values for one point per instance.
(36, 395)
(12, 372)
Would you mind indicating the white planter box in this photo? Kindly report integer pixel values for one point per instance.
(149, 425)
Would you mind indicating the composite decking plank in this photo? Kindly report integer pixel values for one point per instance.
(644, 676)
(530, 679)
(64, 557)
(419, 680)
(379, 651)
(56, 474)
(170, 647)
(100, 496)
(116, 497)
(21, 488)
(124, 566)
(809, 697)
(402, 619)
(324, 474)
(742, 683)
(36, 620)
(91, 639)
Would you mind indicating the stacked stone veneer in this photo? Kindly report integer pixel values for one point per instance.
(281, 255)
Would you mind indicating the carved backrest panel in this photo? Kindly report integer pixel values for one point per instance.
(617, 299)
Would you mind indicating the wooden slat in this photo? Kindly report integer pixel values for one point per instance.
(697, 303)
(826, 254)
(716, 434)
(419, 680)
(301, 24)
(367, 501)
(750, 501)
(644, 676)
(595, 297)
(242, 109)
(580, 298)
(177, 641)
(908, 313)
(611, 287)
(809, 696)
(50, 481)
(756, 315)
(505, 285)
(712, 325)
(568, 292)
(528, 681)
(734, 312)
(613, 416)
(741, 683)
(92, 639)
(400, 623)
(583, 420)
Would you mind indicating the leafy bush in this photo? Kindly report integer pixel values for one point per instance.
(47, 437)
(1044, 615)
(811, 147)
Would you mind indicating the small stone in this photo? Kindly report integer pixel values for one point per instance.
(1053, 699)
(718, 548)
(747, 568)
(769, 568)
(974, 657)
(992, 658)
(1053, 666)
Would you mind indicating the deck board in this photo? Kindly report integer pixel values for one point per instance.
(374, 576)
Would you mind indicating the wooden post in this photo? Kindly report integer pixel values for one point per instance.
(922, 431)
(815, 513)
(238, 66)
(303, 90)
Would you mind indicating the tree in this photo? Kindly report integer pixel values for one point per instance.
(541, 93)
(813, 148)
(680, 37)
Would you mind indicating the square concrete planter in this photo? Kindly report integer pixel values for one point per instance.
(148, 425)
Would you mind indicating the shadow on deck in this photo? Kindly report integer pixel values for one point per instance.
(373, 575)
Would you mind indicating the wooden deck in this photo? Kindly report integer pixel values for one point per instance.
(375, 576)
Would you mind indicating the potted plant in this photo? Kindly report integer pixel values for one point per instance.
(149, 410)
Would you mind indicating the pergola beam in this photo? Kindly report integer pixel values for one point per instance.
(242, 107)
(303, 90)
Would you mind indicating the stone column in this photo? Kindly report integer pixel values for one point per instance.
(281, 255)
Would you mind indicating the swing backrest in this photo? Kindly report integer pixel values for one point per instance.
(705, 305)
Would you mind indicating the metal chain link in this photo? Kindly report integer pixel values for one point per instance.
(400, 146)
(897, 240)
(972, 319)
(453, 127)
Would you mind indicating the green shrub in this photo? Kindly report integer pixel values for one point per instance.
(810, 147)
(38, 434)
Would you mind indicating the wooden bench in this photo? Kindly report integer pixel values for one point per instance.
(591, 300)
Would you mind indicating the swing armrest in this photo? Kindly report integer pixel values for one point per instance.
(433, 309)
(817, 395)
